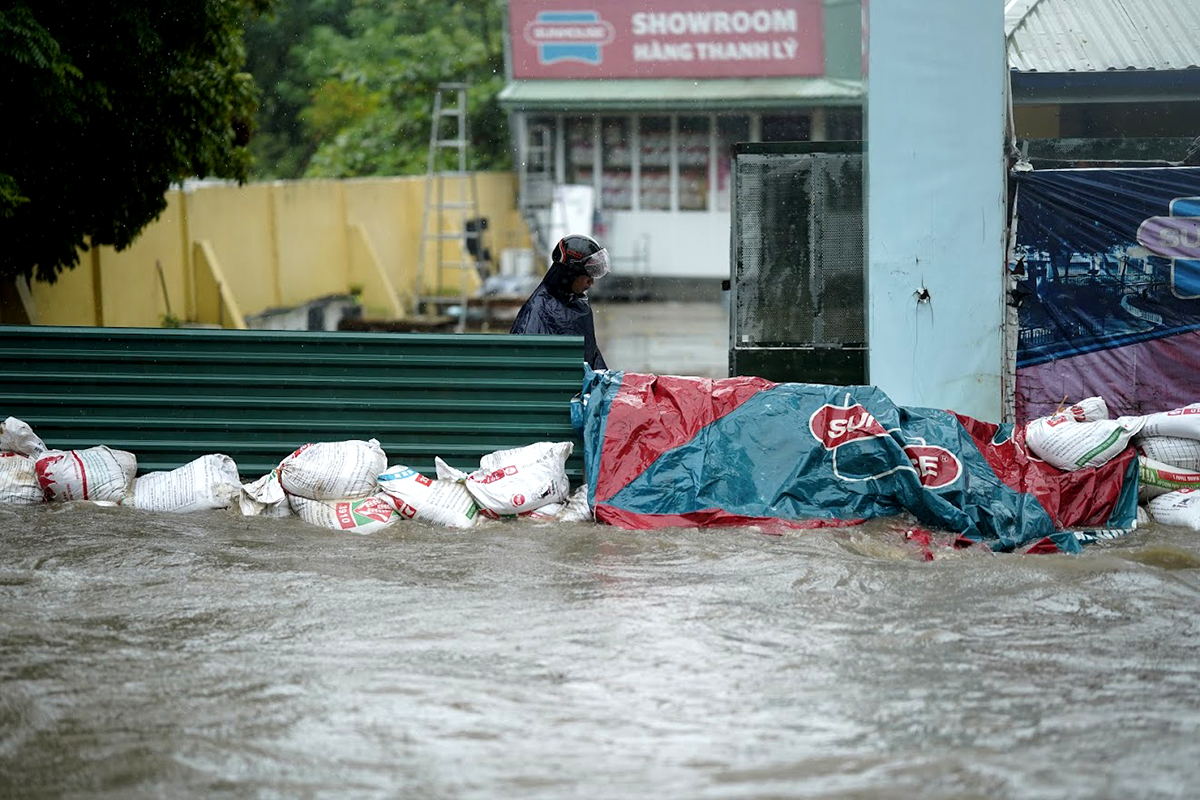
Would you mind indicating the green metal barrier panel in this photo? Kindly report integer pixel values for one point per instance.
(170, 396)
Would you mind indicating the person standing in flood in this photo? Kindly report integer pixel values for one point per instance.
(559, 305)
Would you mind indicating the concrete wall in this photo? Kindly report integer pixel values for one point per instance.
(935, 178)
(277, 244)
(239, 223)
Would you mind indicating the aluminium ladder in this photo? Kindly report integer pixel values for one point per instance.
(451, 200)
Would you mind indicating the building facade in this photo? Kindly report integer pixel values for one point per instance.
(636, 104)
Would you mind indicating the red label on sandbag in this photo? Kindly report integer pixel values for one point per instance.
(494, 476)
(834, 426)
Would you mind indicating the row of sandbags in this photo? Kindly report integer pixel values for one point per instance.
(345, 485)
(1167, 444)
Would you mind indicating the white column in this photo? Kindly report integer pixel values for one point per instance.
(560, 150)
(816, 123)
(935, 203)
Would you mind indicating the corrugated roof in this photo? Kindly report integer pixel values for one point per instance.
(679, 93)
(1100, 35)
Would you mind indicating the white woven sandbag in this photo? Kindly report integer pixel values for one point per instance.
(1156, 478)
(17, 437)
(1174, 450)
(441, 502)
(18, 480)
(445, 472)
(360, 515)
(523, 479)
(208, 483)
(573, 509)
(264, 498)
(1184, 422)
(333, 470)
(1068, 444)
(576, 508)
(1180, 508)
(97, 473)
(1089, 409)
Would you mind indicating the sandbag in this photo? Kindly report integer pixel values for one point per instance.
(97, 473)
(441, 502)
(1089, 409)
(522, 479)
(1174, 450)
(264, 498)
(577, 508)
(573, 509)
(333, 470)
(18, 480)
(1156, 478)
(208, 483)
(17, 437)
(1068, 444)
(1180, 508)
(360, 515)
(1183, 422)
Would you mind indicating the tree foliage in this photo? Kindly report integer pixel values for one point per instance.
(349, 84)
(107, 103)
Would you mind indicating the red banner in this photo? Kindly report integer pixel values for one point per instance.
(666, 38)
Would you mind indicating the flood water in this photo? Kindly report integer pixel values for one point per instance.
(209, 655)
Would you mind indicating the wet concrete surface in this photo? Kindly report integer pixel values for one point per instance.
(664, 337)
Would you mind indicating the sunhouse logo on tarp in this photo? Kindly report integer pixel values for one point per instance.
(569, 36)
(839, 428)
(1177, 237)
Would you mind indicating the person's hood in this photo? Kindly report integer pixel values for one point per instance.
(558, 282)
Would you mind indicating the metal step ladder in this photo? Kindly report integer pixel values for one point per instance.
(451, 203)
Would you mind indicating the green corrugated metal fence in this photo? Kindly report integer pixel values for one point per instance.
(170, 396)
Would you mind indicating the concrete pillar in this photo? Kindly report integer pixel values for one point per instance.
(935, 207)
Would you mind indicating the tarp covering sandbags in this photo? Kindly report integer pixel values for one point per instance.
(664, 451)
(1107, 269)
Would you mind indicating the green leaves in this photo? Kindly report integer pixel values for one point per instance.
(354, 94)
(108, 103)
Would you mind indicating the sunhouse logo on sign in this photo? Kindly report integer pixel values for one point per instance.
(1177, 237)
(569, 36)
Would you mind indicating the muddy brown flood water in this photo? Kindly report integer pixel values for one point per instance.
(214, 656)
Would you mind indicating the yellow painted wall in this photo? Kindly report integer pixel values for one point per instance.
(277, 244)
(389, 210)
(70, 300)
(131, 291)
(239, 223)
(310, 223)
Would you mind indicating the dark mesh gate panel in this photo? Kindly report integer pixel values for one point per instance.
(797, 275)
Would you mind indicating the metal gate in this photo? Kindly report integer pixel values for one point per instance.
(797, 266)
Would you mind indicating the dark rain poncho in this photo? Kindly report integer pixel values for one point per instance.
(553, 309)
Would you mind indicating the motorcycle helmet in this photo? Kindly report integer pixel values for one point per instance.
(582, 254)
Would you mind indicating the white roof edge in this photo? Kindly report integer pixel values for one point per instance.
(1015, 12)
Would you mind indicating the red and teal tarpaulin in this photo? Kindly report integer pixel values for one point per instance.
(672, 451)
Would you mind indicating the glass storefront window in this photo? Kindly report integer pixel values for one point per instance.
(692, 157)
(730, 130)
(616, 176)
(843, 124)
(654, 152)
(581, 150)
(540, 148)
(786, 127)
